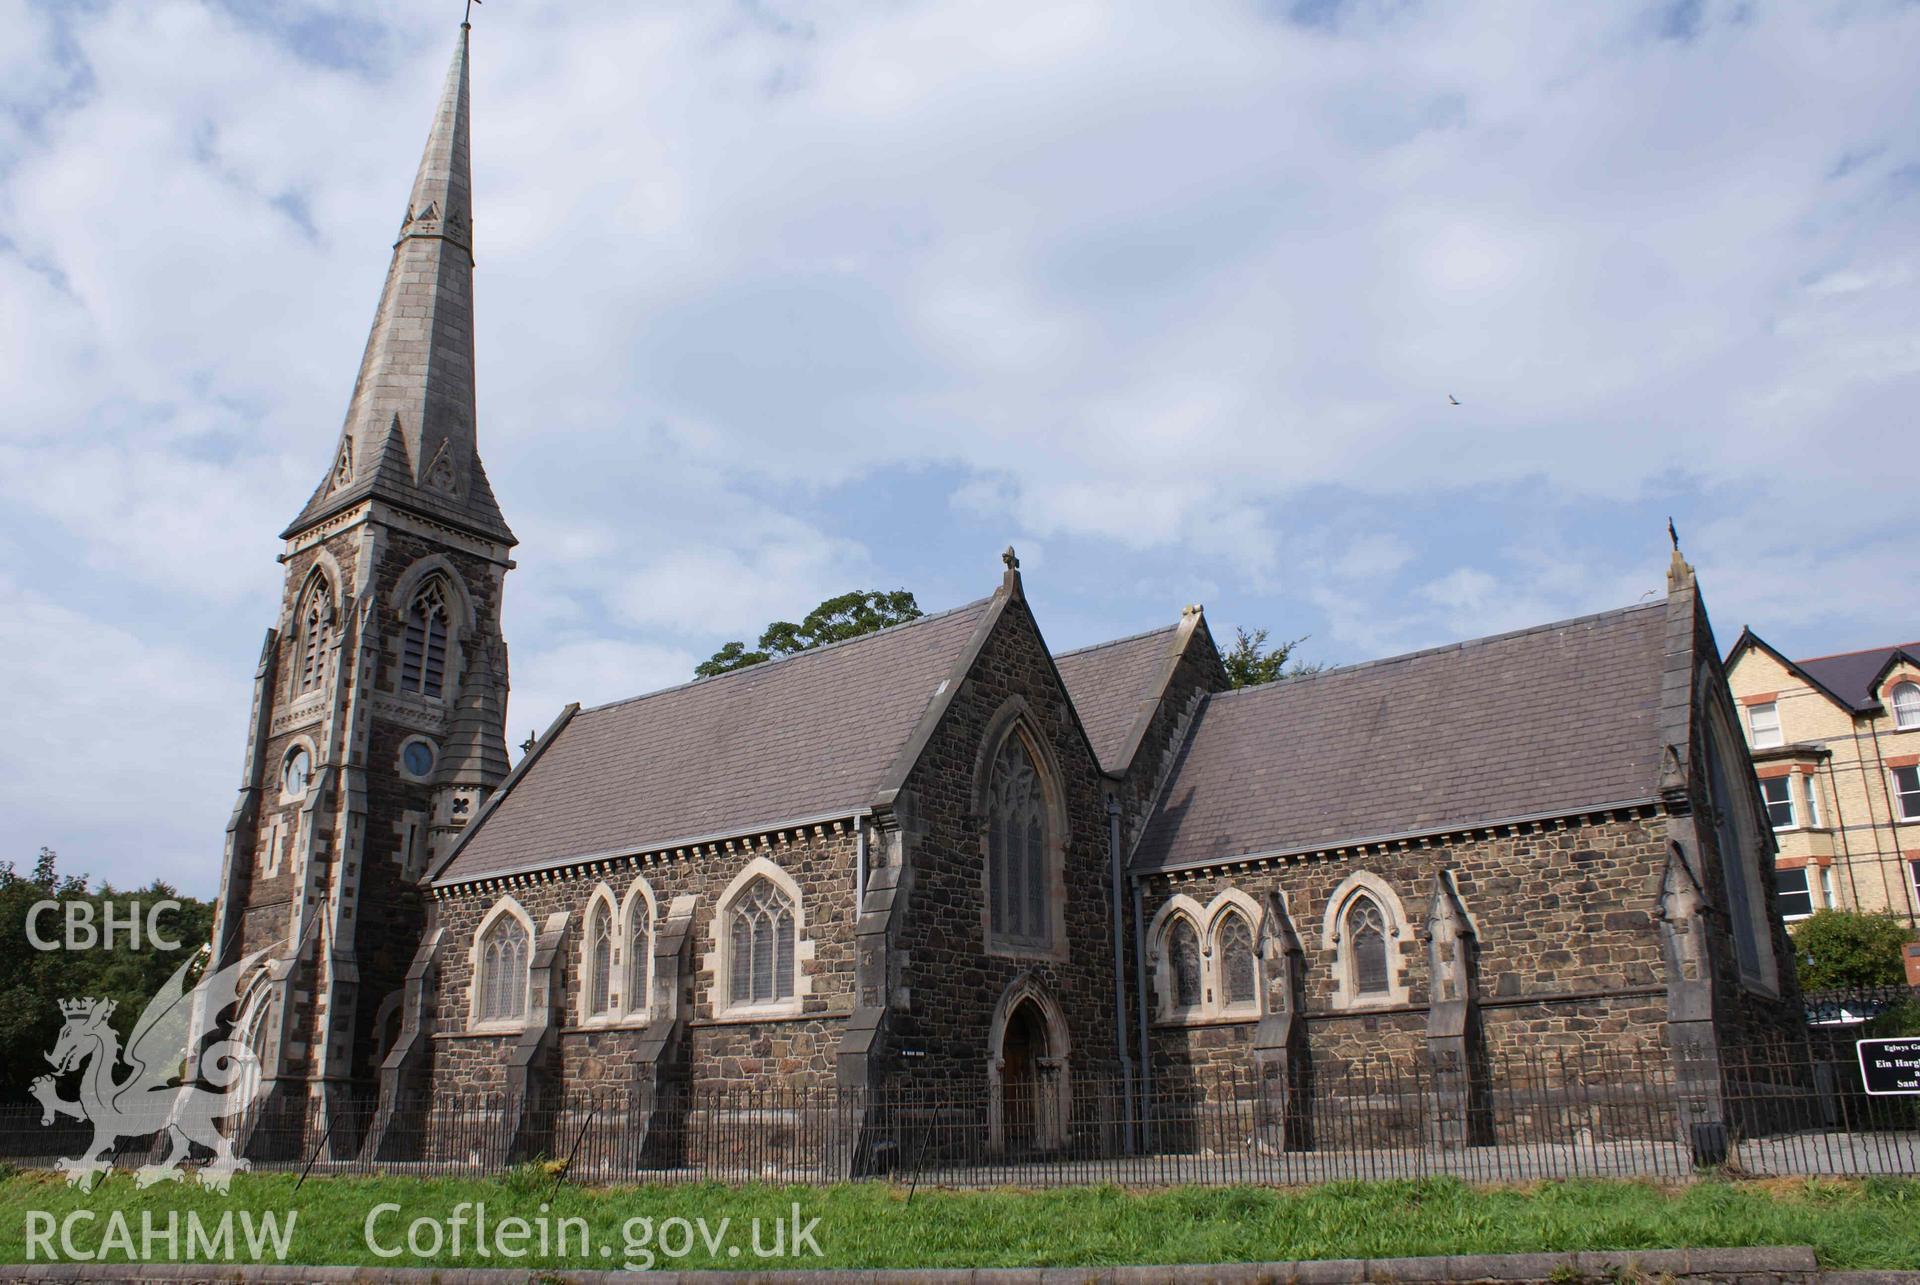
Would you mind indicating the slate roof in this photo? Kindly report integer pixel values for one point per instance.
(1109, 682)
(808, 736)
(1541, 722)
(1851, 675)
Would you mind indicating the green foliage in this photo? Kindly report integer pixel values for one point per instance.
(837, 619)
(1843, 948)
(1250, 662)
(32, 981)
(1902, 1019)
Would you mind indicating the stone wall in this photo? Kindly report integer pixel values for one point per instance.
(1569, 954)
(952, 984)
(794, 1052)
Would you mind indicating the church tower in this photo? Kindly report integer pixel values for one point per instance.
(378, 726)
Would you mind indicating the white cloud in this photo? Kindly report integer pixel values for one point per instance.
(779, 300)
(105, 760)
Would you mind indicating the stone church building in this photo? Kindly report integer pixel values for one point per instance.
(944, 857)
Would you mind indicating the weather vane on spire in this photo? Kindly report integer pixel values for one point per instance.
(468, 20)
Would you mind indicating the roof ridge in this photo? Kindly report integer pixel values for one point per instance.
(1858, 651)
(1462, 645)
(764, 665)
(1115, 642)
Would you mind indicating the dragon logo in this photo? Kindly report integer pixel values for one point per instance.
(151, 1099)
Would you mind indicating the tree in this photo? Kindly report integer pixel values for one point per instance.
(32, 981)
(1845, 948)
(837, 619)
(1250, 662)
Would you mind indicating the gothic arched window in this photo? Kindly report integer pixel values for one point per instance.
(761, 960)
(1741, 845)
(1018, 878)
(599, 959)
(501, 983)
(423, 648)
(1183, 958)
(1233, 948)
(316, 636)
(639, 937)
(1366, 934)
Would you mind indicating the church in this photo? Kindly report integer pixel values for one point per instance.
(944, 856)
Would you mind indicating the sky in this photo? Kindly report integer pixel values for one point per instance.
(777, 300)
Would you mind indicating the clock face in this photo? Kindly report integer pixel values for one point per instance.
(299, 767)
(417, 758)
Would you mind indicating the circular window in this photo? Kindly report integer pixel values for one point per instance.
(293, 777)
(417, 758)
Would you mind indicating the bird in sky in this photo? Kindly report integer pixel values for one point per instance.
(1451, 398)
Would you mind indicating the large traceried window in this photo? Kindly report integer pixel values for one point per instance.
(316, 636)
(1366, 936)
(1740, 845)
(423, 647)
(1018, 875)
(599, 959)
(761, 937)
(501, 983)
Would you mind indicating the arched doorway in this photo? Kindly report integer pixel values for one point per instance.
(1022, 1055)
(1027, 1072)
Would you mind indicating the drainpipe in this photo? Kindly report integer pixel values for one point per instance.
(1119, 963)
(1140, 993)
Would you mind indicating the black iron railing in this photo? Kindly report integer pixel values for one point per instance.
(1788, 1109)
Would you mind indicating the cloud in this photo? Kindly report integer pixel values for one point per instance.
(106, 760)
(780, 300)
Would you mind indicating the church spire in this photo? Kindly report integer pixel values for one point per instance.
(410, 436)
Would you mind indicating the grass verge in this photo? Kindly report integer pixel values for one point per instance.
(1866, 1224)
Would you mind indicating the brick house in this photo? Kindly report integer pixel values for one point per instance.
(1836, 743)
(943, 856)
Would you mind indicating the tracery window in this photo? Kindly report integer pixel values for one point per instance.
(1205, 961)
(639, 937)
(501, 985)
(423, 647)
(599, 959)
(316, 636)
(1183, 956)
(1018, 878)
(761, 959)
(1737, 836)
(1366, 936)
(1233, 947)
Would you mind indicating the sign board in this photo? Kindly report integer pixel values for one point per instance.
(1890, 1066)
